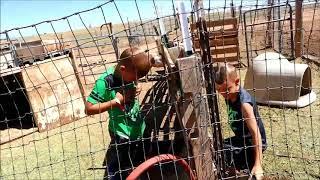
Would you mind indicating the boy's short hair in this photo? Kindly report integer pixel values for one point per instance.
(222, 71)
(136, 59)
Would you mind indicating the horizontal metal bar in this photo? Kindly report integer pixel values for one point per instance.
(276, 20)
(268, 7)
(97, 54)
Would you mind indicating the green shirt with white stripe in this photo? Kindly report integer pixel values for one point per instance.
(129, 123)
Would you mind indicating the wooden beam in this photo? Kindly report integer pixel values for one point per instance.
(194, 118)
(226, 33)
(270, 25)
(189, 74)
(201, 145)
(224, 41)
(299, 23)
(224, 22)
(225, 59)
(217, 42)
(73, 59)
(224, 50)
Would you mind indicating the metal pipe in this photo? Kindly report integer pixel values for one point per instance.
(269, 21)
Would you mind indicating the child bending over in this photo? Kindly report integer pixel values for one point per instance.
(244, 150)
(115, 91)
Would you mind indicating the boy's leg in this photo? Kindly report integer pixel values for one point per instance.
(228, 150)
(236, 155)
(117, 158)
(125, 155)
(139, 151)
(239, 156)
(130, 155)
(111, 160)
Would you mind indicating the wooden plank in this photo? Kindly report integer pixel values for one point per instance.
(223, 22)
(165, 53)
(218, 42)
(221, 32)
(73, 59)
(224, 41)
(298, 35)
(31, 52)
(189, 73)
(196, 44)
(201, 145)
(203, 158)
(270, 26)
(54, 94)
(224, 50)
(188, 116)
(193, 27)
(195, 119)
(224, 55)
(225, 59)
(225, 33)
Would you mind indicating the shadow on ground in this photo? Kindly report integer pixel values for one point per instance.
(162, 133)
(15, 111)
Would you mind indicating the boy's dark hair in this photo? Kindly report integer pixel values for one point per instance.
(136, 59)
(222, 71)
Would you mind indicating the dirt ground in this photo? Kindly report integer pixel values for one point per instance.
(77, 150)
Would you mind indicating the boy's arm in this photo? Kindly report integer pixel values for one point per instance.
(92, 109)
(96, 102)
(250, 119)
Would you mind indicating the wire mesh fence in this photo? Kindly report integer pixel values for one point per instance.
(51, 74)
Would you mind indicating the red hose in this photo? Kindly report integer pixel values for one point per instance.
(157, 159)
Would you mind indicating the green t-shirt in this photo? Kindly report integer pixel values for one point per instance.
(128, 124)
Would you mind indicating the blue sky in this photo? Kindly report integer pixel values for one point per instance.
(18, 13)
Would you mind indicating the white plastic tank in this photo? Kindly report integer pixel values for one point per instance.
(273, 80)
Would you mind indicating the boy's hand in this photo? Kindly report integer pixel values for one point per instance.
(138, 89)
(120, 97)
(127, 97)
(120, 100)
(256, 171)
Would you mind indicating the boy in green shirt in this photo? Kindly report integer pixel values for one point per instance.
(115, 92)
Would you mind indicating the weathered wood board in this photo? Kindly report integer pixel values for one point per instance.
(195, 116)
(53, 93)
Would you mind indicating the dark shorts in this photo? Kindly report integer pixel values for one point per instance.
(239, 154)
(123, 155)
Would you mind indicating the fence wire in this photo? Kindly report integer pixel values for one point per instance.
(49, 69)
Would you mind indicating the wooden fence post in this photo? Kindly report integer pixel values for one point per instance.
(195, 116)
(76, 73)
(299, 33)
(270, 25)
